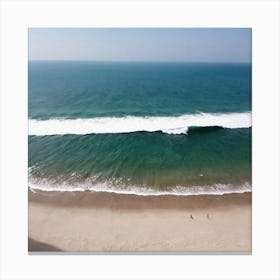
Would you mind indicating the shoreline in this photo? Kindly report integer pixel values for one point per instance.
(216, 189)
(108, 222)
(88, 199)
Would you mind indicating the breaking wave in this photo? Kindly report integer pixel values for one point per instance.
(169, 125)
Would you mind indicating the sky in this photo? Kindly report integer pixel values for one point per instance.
(141, 44)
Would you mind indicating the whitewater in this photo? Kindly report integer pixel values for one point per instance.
(127, 124)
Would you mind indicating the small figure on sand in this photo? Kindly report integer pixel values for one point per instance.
(191, 216)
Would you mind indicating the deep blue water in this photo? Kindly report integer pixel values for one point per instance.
(86, 90)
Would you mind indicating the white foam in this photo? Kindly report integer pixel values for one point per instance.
(216, 189)
(170, 125)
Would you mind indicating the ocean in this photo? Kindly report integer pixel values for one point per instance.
(140, 128)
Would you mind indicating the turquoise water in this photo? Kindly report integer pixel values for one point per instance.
(146, 128)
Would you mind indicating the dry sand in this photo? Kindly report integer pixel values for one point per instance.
(106, 222)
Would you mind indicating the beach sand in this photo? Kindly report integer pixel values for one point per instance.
(107, 222)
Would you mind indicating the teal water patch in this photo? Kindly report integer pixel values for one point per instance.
(87, 89)
(155, 160)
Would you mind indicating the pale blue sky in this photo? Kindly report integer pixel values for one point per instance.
(141, 44)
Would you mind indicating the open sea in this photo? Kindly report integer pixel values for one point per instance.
(141, 128)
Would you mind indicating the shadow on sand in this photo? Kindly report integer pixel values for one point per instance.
(35, 246)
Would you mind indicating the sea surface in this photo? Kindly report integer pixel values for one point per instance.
(141, 128)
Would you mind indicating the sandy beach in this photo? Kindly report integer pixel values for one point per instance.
(107, 222)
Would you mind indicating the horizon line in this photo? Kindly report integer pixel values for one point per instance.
(133, 61)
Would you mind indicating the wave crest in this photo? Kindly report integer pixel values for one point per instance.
(169, 125)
